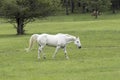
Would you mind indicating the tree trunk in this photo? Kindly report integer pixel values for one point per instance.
(113, 7)
(72, 6)
(83, 8)
(113, 11)
(67, 9)
(20, 26)
(96, 14)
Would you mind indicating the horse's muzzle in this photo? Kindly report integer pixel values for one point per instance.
(79, 47)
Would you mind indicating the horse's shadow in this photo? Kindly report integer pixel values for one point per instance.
(50, 60)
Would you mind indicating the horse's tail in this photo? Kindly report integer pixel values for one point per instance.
(33, 39)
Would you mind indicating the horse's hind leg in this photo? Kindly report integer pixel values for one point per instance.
(40, 51)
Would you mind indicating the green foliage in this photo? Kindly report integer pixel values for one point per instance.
(85, 6)
(100, 5)
(24, 11)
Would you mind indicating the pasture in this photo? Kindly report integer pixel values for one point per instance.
(98, 59)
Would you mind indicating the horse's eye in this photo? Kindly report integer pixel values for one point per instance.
(77, 41)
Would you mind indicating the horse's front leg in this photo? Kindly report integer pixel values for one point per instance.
(44, 55)
(39, 51)
(57, 48)
(65, 51)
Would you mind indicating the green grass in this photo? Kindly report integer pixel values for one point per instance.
(98, 59)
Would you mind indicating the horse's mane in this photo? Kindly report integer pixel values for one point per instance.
(68, 35)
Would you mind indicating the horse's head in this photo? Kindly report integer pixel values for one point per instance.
(77, 42)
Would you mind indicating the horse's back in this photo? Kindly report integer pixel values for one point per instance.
(52, 40)
(47, 39)
(55, 40)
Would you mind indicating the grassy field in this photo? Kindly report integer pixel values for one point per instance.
(98, 59)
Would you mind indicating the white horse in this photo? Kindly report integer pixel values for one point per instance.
(59, 41)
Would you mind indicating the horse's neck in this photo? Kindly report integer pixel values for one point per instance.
(71, 39)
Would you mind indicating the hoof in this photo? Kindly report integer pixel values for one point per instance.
(44, 57)
(38, 58)
(67, 58)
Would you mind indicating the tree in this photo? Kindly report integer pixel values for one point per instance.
(97, 6)
(115, 5)
(72, 5)
(21, 12)
(65, 3)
